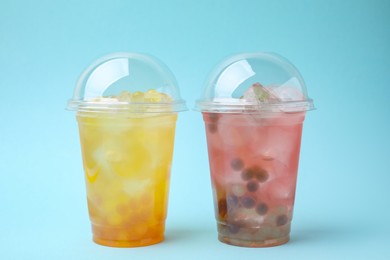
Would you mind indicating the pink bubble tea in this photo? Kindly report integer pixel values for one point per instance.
(253, 106)
(253, 165)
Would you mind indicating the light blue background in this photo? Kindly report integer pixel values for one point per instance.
(342, 49)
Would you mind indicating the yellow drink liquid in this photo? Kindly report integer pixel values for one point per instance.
(127, 162)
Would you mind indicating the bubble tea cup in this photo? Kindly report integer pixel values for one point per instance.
(253, 106)
(126, 106)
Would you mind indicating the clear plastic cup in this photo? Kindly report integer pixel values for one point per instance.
(253, 106)
(126, 107)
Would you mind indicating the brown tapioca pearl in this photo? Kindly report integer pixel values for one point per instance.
(213, 117)
(262, 209)
(222, 207)
(252, 186)
(212, 128)
(247, 202)
(247, 174)
(232, 201)
(281, 220)
(237, 164)
(260, 174)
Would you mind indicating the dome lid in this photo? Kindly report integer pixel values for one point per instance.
(127, 82)
(254, 82)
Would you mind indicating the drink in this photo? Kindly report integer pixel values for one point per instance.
(127, 142)
(253, 164)
(253, 137)
(127, 164)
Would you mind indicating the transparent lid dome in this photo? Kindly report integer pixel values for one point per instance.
(254, 82)
(127, 82)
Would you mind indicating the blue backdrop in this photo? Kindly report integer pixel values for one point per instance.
(340, 47)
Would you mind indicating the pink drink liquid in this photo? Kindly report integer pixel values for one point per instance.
(253, 165)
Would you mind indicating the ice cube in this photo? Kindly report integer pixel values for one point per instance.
(114, 156)
(135, 187)
(288, 94)
(153, 96)
(282, 189)
(289, 91)
(258, 92)
(99, 156)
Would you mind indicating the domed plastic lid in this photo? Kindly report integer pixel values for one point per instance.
(129, 83)
(255, 82)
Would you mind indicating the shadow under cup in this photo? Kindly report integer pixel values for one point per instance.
(127, 163)
(253, 165)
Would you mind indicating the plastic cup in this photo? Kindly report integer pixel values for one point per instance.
(253, 106)
(127, 107)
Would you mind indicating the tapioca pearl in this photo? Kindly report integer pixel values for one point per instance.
(233, 205)
(273, 213)
(285, 230)
(212, 128)
(247, 174)
(237, 164)
(232, 201)
(238, 190)
(252, 186)
(281, 220)
(213, 117)
(247, 202)
(262, 209)
(261, 175)
(222, 207)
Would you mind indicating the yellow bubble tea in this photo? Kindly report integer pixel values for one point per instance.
(127, 163)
